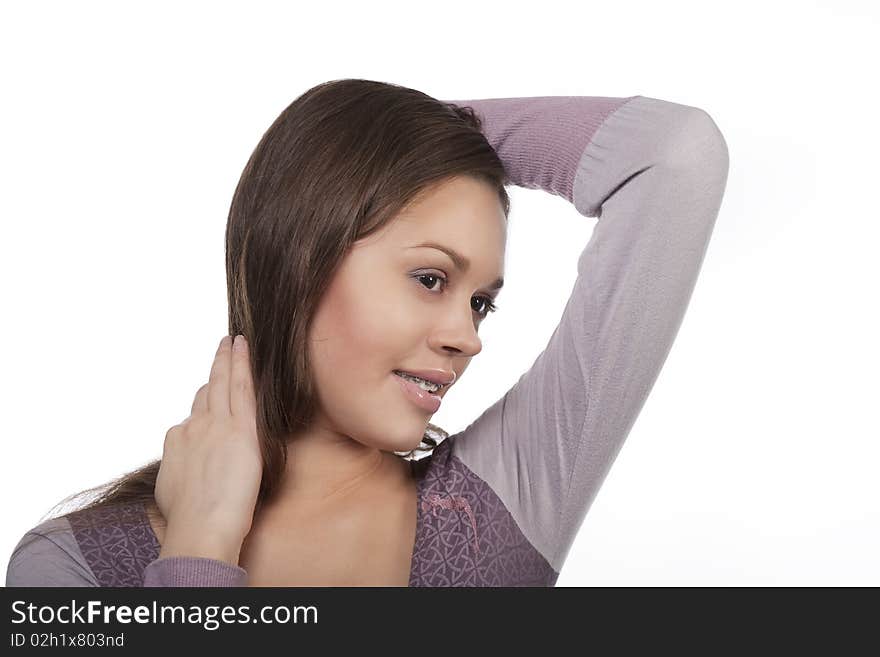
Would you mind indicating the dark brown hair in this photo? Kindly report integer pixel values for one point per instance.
(339, 163)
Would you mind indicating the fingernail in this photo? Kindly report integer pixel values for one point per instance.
(224, 341)
(238, 345)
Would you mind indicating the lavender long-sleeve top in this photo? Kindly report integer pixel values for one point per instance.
(500, 503)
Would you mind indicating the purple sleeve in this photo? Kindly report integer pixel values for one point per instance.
(541, 139)
(654, 173)
(48, 555)
(193, 571)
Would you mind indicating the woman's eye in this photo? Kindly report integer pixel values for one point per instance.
(487, 307)
(424, 276)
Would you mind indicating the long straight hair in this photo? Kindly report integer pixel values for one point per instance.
(338, 164)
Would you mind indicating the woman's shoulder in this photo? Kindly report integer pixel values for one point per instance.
(101, 546)
(48, 555)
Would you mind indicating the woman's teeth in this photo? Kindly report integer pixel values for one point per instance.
(427, 386)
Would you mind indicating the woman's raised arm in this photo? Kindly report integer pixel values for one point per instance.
(654, 172)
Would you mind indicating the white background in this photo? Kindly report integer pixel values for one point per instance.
(754, 460)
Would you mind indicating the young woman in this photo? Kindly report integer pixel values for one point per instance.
(364, 248)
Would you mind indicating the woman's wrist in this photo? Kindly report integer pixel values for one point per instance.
(199, 544)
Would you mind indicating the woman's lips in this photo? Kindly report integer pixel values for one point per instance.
(421, 398)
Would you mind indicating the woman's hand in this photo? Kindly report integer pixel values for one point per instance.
(212, 467)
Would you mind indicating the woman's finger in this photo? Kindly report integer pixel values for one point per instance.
(218, 383)
(200, 403)
(242, 401)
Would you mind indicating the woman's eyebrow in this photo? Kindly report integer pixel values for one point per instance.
(459, 260)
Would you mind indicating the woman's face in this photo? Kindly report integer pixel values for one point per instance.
(395, 305)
